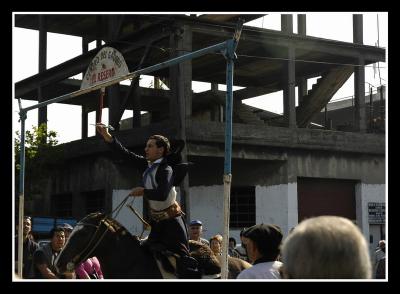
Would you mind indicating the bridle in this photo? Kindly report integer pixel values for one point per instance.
(101, 230)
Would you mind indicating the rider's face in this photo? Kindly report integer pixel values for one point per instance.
(152, 151)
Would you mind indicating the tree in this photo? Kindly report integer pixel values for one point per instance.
(41, 156)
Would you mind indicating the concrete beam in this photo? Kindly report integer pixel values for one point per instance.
(309, 139)
(79, 64)
(204, 149)
(309, 44)
(251, 92)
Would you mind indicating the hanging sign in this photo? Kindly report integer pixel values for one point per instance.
(108, 64)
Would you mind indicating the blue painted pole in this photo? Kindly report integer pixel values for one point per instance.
(168, 63)
(230, 56)
(21, 190)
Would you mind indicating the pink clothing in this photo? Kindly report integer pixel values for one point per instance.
(89, 269)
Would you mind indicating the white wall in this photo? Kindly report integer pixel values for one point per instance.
(274, 204)
(369, 193)
(126, 217)
(206, 204)
(277, 204)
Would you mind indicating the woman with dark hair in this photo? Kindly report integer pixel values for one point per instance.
(161, 174)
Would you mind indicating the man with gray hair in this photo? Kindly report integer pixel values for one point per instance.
(326, 247)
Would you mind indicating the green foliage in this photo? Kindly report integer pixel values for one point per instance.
(40, 156)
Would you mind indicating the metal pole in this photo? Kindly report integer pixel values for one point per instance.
(21, 191)
(228, 155)
(230, 56)
(173, 61)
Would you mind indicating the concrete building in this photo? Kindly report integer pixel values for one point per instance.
(284, 169)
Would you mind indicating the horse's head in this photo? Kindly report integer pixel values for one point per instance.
(83, 241)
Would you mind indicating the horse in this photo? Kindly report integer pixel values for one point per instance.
(120, 253)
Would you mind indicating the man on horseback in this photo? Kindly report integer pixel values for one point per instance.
(168, 227)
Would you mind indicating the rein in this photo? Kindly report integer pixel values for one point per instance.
(147, 226)
(93, 243)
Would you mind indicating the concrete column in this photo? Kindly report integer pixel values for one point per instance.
(181, 98)
(113, 92)
(99, 26)
(359, 77)
(84, 126)
(84, 123)
(302, 31)
(42, 112)
(289, 96)
(358, 28)
(302, 90)
(137, 121)
(98, 44)
(301, 24)
(287, 23)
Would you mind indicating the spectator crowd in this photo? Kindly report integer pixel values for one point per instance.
(323, 247)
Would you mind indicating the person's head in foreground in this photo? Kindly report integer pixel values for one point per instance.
(326, 247)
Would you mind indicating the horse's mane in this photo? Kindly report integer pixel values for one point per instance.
(95, 218)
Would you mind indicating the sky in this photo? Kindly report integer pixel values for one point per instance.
(66, 119)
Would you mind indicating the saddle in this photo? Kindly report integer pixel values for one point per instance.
(200, 264)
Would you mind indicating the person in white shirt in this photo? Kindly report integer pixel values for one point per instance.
(263, 247)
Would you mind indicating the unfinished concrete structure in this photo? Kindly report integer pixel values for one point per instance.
(283, 169)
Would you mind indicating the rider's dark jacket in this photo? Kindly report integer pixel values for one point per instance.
(168, 225)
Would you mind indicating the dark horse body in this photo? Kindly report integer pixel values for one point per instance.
(120, 254)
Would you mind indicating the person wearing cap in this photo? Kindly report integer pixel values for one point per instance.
(161, 171)
(67, 230)
(196, 230)
(263, 246)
